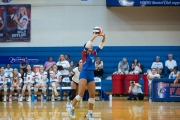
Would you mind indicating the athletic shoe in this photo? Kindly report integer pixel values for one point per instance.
(10, 98)
(35, 98)
(52, 99)
(56, 93)
(21, 99)
(71, 113)
(129, 98)
(29, 99)
(44, 99)
(68, 105)
(4, 98)
(89, 115)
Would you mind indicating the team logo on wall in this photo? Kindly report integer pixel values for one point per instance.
(15, 23)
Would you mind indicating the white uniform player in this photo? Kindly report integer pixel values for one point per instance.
(74, 83)
(16, 83)
(41, 79)
(23, 19)
(28, 82)
(151, 76)
(55, 78)
(3, 82)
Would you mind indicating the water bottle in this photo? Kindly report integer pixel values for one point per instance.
(32, 97)
(110, 97)
(41, 97)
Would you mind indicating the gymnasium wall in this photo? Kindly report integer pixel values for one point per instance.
(70, 23)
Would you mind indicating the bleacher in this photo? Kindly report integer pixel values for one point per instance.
(111, 55)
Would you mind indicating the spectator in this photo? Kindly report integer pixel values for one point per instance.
(8, 70)
(49, 64)
(123, 66)
(71, 66)
(157, 65)
(136, 67)
(170, 63)
(67, 57)
(135, 91)
(153, 74)
(98, 68)
(174, 74)
(65, 64)
(23, 65)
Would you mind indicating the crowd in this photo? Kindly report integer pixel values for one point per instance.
(26, 78)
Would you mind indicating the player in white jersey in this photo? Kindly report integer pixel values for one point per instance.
(16, 83)
(41, 79)
(28, 82)
(21, 19)
(74, 83)
(55, 79)
(153, 74)
(3, 82)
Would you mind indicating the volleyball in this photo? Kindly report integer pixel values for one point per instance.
(97, 30)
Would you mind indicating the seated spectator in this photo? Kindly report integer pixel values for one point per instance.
(174, 74)
(136, 67)
(177, 79)
(170, 63)
(157, 65)
(8, 70)
(23, 65)
(135, 91)
(67, 57)
(71, 66)
(123, 66)
(98, 72)
(49, 64)
(153, 74)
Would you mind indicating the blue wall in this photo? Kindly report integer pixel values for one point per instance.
(110, 55)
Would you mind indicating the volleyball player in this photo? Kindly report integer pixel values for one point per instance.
(41, 79)
(55, 79)
(74, 83)
(87, 75)
(15, 83)
(28, 82)
(3, 82)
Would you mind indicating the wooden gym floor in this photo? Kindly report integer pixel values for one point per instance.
(118, 109)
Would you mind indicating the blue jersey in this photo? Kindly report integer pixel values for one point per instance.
(89, 59)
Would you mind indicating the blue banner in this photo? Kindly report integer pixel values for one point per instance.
(120, 3)
(166, 90)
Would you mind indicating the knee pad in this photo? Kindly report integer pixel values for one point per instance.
(78, 98)
(12, 88)
(53, 84)
(35, 89)
(28, 87)
(44, 89)
(24, 88)
(5, 89)
(72, 94)
(91, 100)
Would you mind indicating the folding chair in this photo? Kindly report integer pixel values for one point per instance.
(98, 86)
(65, 88)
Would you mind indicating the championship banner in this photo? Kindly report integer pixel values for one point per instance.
(120, 3)
(17, 24)
(166, 90)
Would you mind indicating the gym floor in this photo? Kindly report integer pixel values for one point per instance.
(117, 109)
